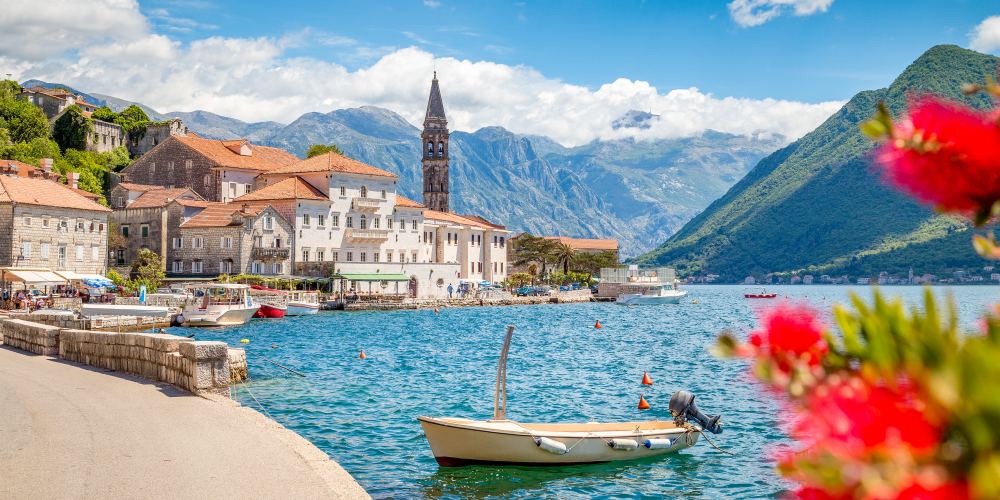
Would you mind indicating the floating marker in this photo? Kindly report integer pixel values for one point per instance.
(244, 341)
(646, 379)
(643, 404)
(274, 346)
(362, 355)
(598, 325)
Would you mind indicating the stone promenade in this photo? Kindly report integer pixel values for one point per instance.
(69, 430)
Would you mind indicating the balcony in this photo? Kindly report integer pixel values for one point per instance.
(269, 253)
(368, 203)
(367, 234)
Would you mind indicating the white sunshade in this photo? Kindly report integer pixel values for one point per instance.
(33, 277)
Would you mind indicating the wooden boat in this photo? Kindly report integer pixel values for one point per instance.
(302, 303)
(500, 441)
(221, 304)
(764, 294)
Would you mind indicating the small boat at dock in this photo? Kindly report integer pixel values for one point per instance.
(273, 303)
(763, 294)
(666, 293)
(301, 303)
(218, 304)
(500, 441)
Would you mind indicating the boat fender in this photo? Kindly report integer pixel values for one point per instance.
(180, 319)
(623, 444)
(551, 445)
(657, 444)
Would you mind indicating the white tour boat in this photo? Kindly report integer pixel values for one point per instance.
(220, 304)
(460, 441)
(666, 293)
(301, 303)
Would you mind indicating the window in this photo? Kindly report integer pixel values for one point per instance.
(321, 220)
(45, 250)
(144, 231)
(197, 242)
(375, 256)
(27, 220)
(320, 255)
(375, 222)
(276, 268)
(45, 222)
(501, 267)
(26, 249)
(207, 180)
(177, 266)
(79, 225)
(95, 253)
(402, 224)
(178, 243)
(494, 267)
(414, 256)
(305, 219)
(125, 231)
(350, 221)
(79, 253)
(430, 149)
(255, 267)
(336, 256)
(363, 256)
(63, 224)
(120, 257)
(388, 256)
(226, 266)
(388, 222)
(196, 267)
(268, 222)
(364, 222)
(350, 256)
(335, 220)
(227, 242)
(246, 189)
(414, 223)
(188, 164)
(364, 191)
(383, 194)
(277, 243)
(258, 241)
(232, 190)
(100, 227)
(440, 149)
(402, 256)
(501, 242)
(305, 255)
(494, 241)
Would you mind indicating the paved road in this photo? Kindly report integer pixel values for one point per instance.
(71, 431)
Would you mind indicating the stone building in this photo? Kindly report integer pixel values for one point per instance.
(216, 170)
(46, 225)
(232, 238)
(150, 221)
(435, 151)
(54, 101)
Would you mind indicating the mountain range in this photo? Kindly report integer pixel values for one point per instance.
(637, 191)
(819, 205)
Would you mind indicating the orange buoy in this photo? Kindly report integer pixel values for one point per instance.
(362, 355)
(598, 324)
(646, 379)
(643, 404)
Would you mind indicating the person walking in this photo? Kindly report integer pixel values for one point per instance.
(451, 289)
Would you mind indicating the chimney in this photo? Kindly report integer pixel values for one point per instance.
(73, 179)
(46, 164)
(246, 208)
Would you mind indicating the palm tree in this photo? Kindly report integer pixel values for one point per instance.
(564, 254)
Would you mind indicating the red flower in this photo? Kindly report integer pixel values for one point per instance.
(813, 493)
(944, 491)
(946, 155)
(790, 333)
(853, 417)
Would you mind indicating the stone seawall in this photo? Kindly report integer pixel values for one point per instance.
(105, 323)
(197, 366)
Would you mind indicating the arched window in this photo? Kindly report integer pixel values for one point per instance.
(430, 149)
(364, 222)
(440, 149)
(364, 192)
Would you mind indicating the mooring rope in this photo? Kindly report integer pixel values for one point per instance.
(692, 428)
(257, 400)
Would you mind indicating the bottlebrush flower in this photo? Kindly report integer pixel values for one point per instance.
(946, 155)
(790, 333)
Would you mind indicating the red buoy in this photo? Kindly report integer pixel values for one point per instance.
(598, 324)
(646, 379)
(643, 404)
(362, 355)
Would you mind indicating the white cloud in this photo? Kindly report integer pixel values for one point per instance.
(32, 29)
(986, 36)
(257, 79)
(748, 13)
(432, 3)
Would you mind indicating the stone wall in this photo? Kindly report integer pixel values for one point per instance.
(105, 323)
(197, 366)
(158, 233)
(54, 234)
(173, 164)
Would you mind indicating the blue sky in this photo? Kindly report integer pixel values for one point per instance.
(558, 68)
(853, 45)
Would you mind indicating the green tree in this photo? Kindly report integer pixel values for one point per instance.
(31, 151)
(9, 89)
(72, 129)
(147, 269)
(133, 120)
(117, 159)
(105, 114)
(24, 121)
(318, 149)
(564, 254)
(530, 249)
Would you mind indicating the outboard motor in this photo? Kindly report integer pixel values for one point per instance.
(682, 407)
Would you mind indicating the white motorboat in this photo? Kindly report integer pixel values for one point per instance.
(219, 304)
(92, 310)
(665, 293)
(302, 303)
(460, 441)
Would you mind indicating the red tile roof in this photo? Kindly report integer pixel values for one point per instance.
(43, 192)
(470, 220)
(402, 201)
(161, 197)
(585, 243)
(262, 159)
(132, 186)
(222, 215)
(23, 169)
(292, 188)
(86, 194)
(333, 162)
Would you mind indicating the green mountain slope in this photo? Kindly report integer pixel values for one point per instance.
(817, 205)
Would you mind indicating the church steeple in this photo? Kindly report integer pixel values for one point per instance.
(435, 151)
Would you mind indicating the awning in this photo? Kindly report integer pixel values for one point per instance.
(91, 280)
(371, 277)
(33, 277)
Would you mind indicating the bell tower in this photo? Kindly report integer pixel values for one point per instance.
(435, 151)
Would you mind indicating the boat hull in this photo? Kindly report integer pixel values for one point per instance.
(457, 442)
(760, 295)
(214, 317)
(637, 299)
(301, 309)
(270, 311)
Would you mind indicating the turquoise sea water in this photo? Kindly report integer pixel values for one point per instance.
(363, 412)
